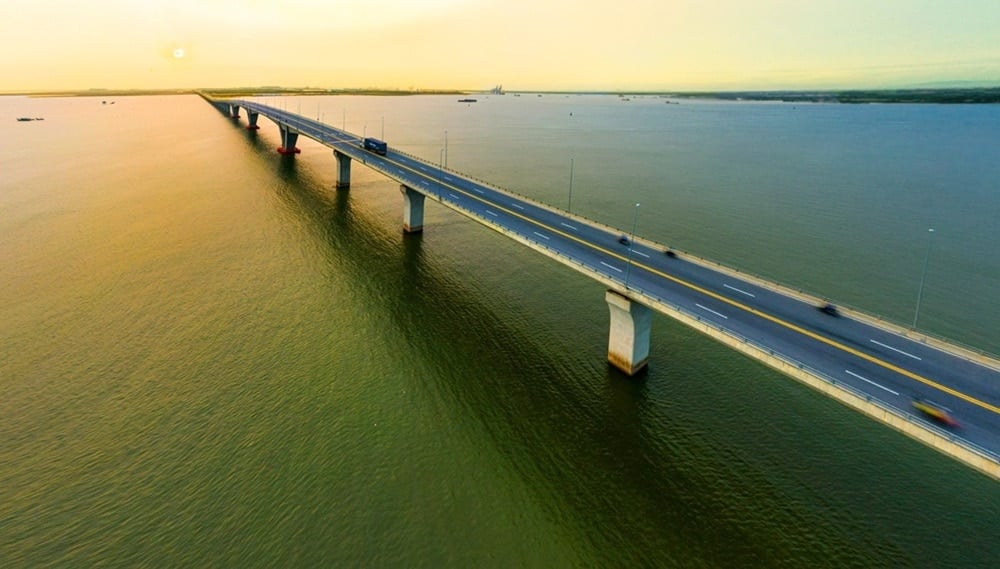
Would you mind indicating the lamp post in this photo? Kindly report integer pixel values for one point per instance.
(383, 127)
(569, 206)
(440, 173)
(923, 275)
(631, 245)
(445, 162)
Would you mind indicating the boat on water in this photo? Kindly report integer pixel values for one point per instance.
(466, 100)
(935, 412)
(26, 119)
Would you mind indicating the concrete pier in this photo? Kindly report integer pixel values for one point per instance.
(413, 210)
(252, 117)
(289, 137)
(628, 338)
(343, 170)
(234, 111)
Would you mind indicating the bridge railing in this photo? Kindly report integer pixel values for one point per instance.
(613, 279)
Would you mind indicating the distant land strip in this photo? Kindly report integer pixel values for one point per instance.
(966, 95)
(978, 95)
(236, 92)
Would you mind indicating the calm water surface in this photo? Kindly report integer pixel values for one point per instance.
(209, 357)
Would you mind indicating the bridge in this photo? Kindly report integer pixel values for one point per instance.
(876, 367)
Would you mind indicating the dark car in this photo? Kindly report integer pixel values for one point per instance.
(829, 309)
(670, 253)
(623, 239)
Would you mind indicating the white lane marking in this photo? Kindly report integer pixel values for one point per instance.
(611, 266)
(641, 253)
(447, 178)
(568, 225)
(849, 372)
(712, 311)
(897, 350)
(491, 212)
(422, 168)
(541, 235)
(739, 291)
(478, 191)
(455, 196)
(518, 206)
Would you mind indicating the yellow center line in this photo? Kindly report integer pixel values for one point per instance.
(716, 296)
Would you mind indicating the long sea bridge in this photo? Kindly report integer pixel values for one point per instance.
(941, 394)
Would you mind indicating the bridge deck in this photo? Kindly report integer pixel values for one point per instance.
(876, 362)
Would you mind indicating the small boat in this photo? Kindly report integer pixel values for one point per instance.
(25, 119)
(466, 100)
(936, 412)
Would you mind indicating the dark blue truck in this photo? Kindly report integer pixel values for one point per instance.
(375, 145)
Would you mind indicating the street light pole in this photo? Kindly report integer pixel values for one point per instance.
(440, 173)
(569, 206)
(383, 127)
(923, 275)
(631, 245)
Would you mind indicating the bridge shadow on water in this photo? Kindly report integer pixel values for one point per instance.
(575, 433)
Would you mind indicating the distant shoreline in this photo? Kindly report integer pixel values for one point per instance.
(979, 95)
(974, 95)
(235, 92)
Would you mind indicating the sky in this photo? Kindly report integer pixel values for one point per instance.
(574, 45)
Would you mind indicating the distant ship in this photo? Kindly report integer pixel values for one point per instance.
(26, 119)
(466, 100)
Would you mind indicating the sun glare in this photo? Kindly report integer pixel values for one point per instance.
(178, 53)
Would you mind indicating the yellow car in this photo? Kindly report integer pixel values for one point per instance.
(936, 412)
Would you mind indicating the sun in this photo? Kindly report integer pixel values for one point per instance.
(179, 53)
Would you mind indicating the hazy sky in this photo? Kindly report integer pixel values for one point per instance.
(474, 44)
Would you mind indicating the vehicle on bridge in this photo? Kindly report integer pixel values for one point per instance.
(623, 239)
(936, 412)
(829, 309)
(375, 145)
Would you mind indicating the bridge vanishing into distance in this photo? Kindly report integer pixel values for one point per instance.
(876, 367)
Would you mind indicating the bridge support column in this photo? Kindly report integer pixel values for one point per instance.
(234, 111)
(288, 139)
(252, 117)
(413, 210)
(343, 170)
(628, 339)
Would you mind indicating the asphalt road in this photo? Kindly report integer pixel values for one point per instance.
(871, 360)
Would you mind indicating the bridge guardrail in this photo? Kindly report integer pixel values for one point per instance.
(613, 280)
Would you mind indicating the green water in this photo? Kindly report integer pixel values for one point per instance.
(210, 358)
